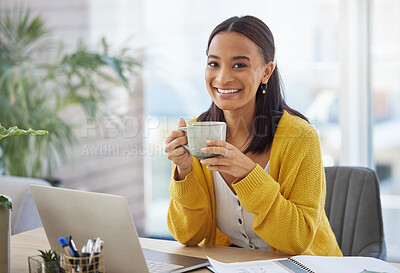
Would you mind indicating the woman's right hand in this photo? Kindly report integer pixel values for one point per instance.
(177, 153)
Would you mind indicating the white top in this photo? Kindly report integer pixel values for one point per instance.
(232, 219)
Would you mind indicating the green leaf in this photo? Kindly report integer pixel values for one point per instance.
(49, 256)
(5, 202)
(114, 64)
(105, 46)
(14, 131)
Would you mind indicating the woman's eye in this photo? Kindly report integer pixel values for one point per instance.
(239, 66)
(213, 64)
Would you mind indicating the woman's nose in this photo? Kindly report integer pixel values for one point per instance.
(224, 76)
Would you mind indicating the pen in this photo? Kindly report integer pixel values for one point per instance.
(71, 243)
(87, 248)
(67, 248)
(93, 249)
(74, 248)
(68, 238)
(98, 246)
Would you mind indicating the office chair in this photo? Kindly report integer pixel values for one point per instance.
(354, 211)
(24, 215)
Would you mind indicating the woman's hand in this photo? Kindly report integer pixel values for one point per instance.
(177, 153)
(230, 160)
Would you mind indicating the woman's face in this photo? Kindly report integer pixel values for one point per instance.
(235, 69)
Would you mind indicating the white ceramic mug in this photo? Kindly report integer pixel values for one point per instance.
(199, 132)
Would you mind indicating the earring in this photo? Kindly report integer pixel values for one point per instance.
(263, 87)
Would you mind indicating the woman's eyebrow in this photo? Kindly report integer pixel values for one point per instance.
(213, 56)
(240, 57)
(233, 58)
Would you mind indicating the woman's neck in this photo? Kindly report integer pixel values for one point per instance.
(239, 126)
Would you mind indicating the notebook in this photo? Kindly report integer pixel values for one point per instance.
(307, 264)
(85, 215)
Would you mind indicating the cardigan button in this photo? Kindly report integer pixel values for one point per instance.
(240, 221)
(238, 203)
(244, 235)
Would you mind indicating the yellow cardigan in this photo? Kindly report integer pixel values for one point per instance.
(288, 203)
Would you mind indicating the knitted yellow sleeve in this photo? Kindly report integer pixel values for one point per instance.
(189, 214)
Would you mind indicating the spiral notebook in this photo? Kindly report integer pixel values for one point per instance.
(307, 264)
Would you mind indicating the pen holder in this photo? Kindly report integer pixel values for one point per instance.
(85, 264)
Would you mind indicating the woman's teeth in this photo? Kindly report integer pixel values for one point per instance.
(226, 91)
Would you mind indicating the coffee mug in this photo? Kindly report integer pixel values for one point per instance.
(199, 132)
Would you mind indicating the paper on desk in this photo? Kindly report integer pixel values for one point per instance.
(247, 267)
(353, 264)
(317, 264)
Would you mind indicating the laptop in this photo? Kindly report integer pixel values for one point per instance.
(87, 215)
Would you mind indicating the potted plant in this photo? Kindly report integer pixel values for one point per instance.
(6, 202)
(39, 82)
(48, 261)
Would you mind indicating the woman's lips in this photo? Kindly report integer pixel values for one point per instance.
(226, 92)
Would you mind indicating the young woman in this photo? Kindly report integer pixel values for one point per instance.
(266, 189)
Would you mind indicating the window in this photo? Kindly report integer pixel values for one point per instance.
(385, 67)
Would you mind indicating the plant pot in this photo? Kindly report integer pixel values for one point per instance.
(5, 235)
(37, 265)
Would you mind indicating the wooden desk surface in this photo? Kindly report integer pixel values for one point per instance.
(27, 244)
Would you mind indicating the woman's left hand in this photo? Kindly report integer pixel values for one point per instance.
(230, 160)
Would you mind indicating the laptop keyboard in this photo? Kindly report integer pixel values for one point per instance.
(160, 267)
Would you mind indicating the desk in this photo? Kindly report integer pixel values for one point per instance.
(27, 243)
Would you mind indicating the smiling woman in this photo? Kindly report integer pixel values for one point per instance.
(266, 189)
(234, 71)
(245, 51)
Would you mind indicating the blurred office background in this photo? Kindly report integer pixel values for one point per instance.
(339, 60)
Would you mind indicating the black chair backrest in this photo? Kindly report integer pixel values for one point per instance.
(354, 211)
